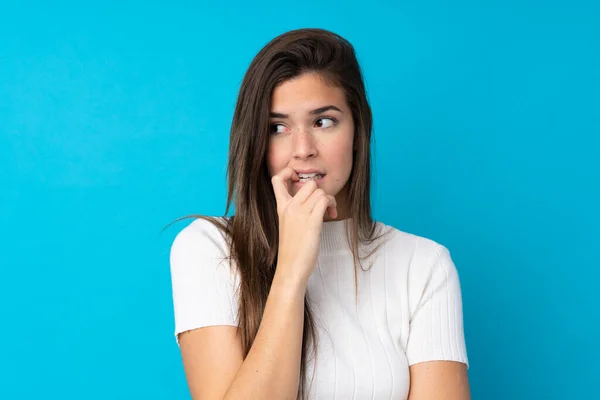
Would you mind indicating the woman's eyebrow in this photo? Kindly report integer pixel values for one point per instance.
(316, 111)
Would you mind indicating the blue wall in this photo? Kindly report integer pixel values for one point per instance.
(114, 121)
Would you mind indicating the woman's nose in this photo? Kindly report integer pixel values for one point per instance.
(304, 145)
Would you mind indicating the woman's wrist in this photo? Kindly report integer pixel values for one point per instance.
(292, 282)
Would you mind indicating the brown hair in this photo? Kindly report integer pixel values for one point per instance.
(253, 230)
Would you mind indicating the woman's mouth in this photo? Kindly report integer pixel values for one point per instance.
(309, 177)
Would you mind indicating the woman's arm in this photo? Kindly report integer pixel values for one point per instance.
(213, 359)
(272, 368)
(439, 380)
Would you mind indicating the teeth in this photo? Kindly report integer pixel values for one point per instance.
(309, 177)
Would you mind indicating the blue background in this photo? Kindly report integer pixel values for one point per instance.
(114, 121)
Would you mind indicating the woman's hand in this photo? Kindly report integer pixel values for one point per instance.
(300, 223)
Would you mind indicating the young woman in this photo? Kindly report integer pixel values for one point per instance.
(301, 294)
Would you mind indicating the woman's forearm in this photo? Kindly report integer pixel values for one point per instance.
(272, 367)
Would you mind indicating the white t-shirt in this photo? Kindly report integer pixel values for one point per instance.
(409, 307)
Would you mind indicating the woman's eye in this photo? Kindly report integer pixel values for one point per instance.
(277, 128)
(322, 123)
(325, 122)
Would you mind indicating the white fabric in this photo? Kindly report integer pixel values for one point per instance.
(409, 307)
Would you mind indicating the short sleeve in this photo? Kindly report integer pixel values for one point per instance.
(204, 287)
(436, 331)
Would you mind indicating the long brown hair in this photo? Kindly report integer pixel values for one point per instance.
(253, 231)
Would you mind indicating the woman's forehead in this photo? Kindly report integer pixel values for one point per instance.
(305, 94)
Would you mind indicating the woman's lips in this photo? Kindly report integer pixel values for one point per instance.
(319, 181)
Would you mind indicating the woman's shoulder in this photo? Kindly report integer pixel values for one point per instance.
(205, 234)
(421, 257)
(203, 284)
(401, 240)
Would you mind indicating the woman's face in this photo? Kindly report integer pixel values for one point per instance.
(312, 130)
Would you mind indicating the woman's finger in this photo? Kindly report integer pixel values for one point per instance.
(281, 185)
(321, 205)
(315, 197)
